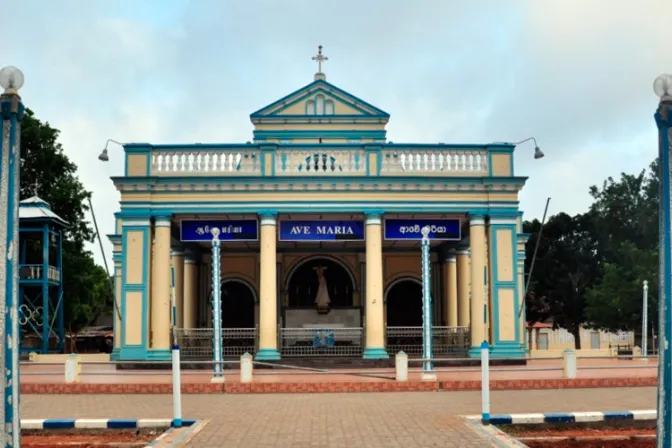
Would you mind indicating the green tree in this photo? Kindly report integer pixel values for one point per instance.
(566, 266)
(86, 292)
(625, 213)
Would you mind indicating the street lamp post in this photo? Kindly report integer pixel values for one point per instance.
(645, 318)
(11, 109)
(662, 86)
(218, 372)
(427, 367)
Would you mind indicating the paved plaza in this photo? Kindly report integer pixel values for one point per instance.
(414, 419)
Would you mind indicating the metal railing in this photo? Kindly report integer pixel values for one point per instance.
(321, 341)
(196, 343)
(34, 272)
(447, 341)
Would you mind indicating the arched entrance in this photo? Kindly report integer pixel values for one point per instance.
(238, 304)
(404, 303)
(304, 283)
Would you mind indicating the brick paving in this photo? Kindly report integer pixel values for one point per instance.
(419, 419)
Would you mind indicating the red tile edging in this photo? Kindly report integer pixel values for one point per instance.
(334, 386)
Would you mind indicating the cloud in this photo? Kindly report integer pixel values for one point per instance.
(576, 75)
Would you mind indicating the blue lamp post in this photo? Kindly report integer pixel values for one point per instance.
(427, 365)
(11, 108)
(218, 372)
(663, 88)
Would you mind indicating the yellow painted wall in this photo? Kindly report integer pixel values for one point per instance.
(501, 165)
(339, 108)
(137, 164)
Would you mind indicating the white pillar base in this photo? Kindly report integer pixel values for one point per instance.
(428, 376)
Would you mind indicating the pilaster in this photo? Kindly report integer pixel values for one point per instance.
(190, 294)
(160, 294)
(463, 287)
(177, 262)
(449, 267)
(506, 336)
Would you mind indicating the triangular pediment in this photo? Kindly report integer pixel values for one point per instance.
(319, 99)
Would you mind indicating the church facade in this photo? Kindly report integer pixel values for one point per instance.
(319, 222)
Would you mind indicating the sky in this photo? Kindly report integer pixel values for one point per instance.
(576, 75)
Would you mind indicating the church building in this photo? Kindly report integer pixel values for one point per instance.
(318, 220)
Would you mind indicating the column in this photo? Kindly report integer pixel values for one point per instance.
(268, 295)
(375, 322)
(160, 297)
(478, 283)
(506, 341)
(450, 288)
(177, 257)
(190, 290)
(463, 287)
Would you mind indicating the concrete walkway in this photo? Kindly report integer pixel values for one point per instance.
(418, 419)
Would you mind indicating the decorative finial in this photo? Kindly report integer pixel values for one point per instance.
(320, 58)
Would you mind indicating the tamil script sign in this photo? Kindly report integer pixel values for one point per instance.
(410, 229)
(229, 230)
(321, 231)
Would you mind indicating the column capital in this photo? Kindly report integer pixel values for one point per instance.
(462, 251)
(374, 217)
(476, 220)
(190, 256)
(135, 222)
(448, 255)
(162, 221)
(176, 252)
(268, 217)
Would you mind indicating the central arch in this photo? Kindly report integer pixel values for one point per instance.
(404, 303)
(303, 283)
(239, 301)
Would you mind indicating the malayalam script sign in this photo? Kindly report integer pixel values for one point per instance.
(321, 231)
(229, 230)
(410, 229)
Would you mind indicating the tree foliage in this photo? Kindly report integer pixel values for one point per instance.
(565, 268)
(47, 171)
(626, 217)
(590, 268)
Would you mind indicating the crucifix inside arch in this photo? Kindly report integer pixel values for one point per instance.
(320, 58)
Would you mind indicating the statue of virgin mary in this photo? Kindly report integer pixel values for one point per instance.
(322, 299)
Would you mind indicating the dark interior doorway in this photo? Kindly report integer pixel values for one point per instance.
(237, 305)
(304, 283)
(404, 304)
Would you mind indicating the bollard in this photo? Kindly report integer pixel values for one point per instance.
(177, 388)
(72, 369)
(401, 366)
(569, 363)
(485, 383)
(246, 368)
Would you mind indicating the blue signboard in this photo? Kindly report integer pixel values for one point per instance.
(229, 230)
(321, 231)
(410, 229)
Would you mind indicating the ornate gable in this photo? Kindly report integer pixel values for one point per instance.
(319, 113)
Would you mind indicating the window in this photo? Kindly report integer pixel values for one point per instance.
(329, 108)
(319, 107)
(310, 107)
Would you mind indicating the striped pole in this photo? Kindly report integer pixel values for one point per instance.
(218, 372)
(427, 366)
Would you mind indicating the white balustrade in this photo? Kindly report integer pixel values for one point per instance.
(433, 162)
(320, 162)
(208, 162)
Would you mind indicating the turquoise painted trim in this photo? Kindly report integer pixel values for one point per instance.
(115, 355)
(256, 146)
(162, 218)
(319, 83)
(498, 284)
(158, 355)
(282, 134)
(133, 353)
(507, 349)
(313, 94)
(267, 354)
(128, 351)
(321, 208)
(375, 353)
